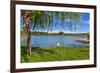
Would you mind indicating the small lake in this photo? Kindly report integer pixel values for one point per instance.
(53, 41)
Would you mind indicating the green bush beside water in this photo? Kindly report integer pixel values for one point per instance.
(54, 54)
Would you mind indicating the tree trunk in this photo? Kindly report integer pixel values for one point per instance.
(29, 49)
(27, 22)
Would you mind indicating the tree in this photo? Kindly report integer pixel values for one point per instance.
(27, 23)
(61, 32)
(35, 19)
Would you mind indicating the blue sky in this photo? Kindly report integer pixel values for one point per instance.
(84, 28)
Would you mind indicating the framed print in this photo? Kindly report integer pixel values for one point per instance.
(52, 36)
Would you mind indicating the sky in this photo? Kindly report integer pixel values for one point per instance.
(84, 28)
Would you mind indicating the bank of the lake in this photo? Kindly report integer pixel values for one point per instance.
(86, 35)
(55, 54)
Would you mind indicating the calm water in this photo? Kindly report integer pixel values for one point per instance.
(53, 41)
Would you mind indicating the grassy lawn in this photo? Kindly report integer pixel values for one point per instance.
(54, 54)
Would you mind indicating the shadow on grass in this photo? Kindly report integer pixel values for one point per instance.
(41, 50)
(84, 50)
(37, 49)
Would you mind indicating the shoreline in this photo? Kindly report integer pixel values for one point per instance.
(83, 41)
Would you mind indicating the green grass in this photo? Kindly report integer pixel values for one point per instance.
(54, 54)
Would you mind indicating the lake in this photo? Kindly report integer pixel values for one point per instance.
(53, 41)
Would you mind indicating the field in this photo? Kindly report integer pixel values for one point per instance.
(54, 54)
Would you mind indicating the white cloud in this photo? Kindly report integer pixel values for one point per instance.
(86, 22)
